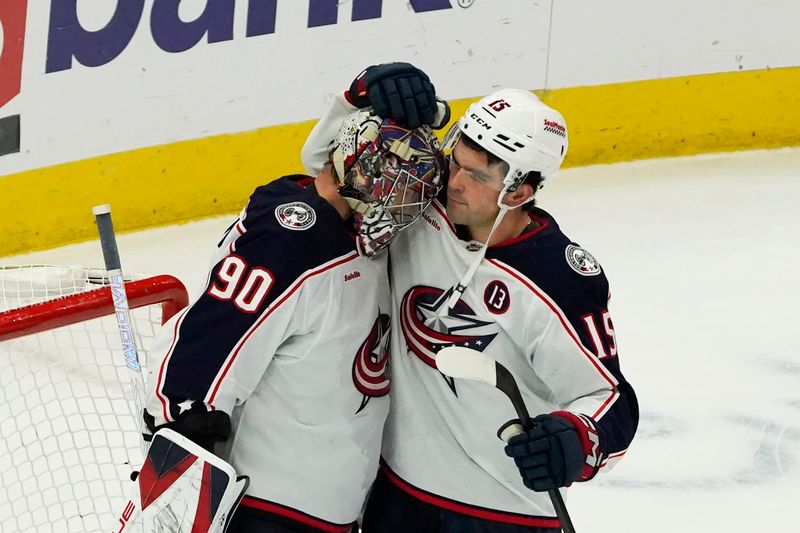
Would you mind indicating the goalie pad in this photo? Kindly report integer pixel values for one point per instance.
(182, 488)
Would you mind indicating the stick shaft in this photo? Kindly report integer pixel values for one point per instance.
(507, 384)
(108, 242)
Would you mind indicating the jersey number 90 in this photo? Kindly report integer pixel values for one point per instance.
(247, 287)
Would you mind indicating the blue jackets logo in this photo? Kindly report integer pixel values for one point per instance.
(295, 216)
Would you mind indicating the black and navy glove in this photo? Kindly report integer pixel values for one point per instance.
(203, 428)
(560, 448)
(399, 91)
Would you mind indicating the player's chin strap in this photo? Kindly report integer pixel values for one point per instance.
(462, 285)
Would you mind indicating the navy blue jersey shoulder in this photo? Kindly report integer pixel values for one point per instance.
(272, 220)
(289, 231)
(542, 257)
(579, 287)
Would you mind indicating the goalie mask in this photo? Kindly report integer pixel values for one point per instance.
(387, 173)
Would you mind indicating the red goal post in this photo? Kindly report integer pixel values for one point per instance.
(63, 311)
(68, 436)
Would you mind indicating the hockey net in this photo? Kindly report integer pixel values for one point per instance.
(68, 437)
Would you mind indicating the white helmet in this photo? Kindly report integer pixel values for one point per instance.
(517, 127)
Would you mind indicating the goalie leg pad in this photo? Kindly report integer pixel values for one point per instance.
(182, 488)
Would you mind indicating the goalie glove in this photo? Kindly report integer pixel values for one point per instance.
(401, 92)
(204, 429)
(182, 488)
(557, 450)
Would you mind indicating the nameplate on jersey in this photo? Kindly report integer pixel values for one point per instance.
(582, 261)
(296, 216)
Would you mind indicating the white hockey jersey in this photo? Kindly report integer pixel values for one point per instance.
(290, 338)
(538, 305)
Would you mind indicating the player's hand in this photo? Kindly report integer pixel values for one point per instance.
(203, 428)
(549, 455)
(398, 91)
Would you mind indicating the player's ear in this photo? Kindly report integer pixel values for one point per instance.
(520, 196)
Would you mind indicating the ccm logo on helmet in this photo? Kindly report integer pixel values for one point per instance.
(480, 121)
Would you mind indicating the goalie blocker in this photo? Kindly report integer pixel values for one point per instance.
(182, 488)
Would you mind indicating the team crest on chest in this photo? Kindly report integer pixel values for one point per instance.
(428, 325)
(369, 365)
(295, 216)
(582, 261)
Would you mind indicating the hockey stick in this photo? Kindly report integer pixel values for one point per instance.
(181, 502)
(108, 242)
(465, 363)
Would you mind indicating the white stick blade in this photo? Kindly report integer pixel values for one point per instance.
(466, 363)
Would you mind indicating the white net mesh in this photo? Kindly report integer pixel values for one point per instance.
(68, 439)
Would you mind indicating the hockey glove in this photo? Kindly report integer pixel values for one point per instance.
(399, 91)
(204, 429)
(559, 449)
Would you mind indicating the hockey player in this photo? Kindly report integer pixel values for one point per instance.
(488, 270)
(279, 365)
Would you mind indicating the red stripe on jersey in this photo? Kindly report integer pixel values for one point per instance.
(163, 399)
(465, 508)
(270, 310)
(238, 228)
(305, 182)
(542, 225)
(294, 514)
(613, 458)
(570, 331)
